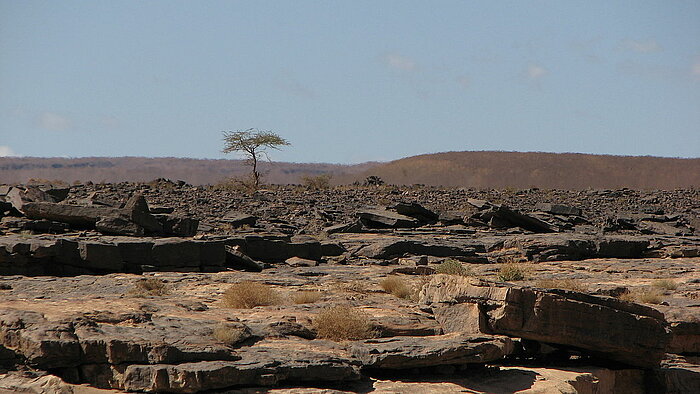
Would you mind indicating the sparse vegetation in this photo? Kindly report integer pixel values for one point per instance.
(318, 182)
(342, 323)
(306, 297)
(396, 287)
(242, 184)
(248, 294)
(511, 272)
(252, 143)
(230, 334)
(645, 295)
(149, 287)
(564, 284)
(452, 267)
(354, 286)
(665, 284)
(373, 180)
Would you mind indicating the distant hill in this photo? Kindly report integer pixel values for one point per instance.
(194, 171)
(543, 170)
(470, 169)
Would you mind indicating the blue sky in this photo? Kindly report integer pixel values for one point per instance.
(349, 81)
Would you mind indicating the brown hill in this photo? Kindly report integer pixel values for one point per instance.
(543, 170)
(194, 171)
(470, 169)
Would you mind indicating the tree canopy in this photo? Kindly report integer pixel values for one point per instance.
(252, 143)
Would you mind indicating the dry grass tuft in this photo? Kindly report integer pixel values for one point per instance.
(396, 287)
(149, 287)
(645, 295)
(511, 272)
(318, 182)
(342, 323)
(665, 284)
(306, 297)
(230, 335)
(248, 294)
(564, 284)
(353, 286)
(452, 267)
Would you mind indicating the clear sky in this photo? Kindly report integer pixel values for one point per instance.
(349, 81)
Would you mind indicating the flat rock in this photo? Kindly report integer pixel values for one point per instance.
(380, 218)
(629, 333)
(417, 352)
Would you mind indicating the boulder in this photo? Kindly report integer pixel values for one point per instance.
(571, 246)
(104, 339)
(500, 216)
(381, 218)
(238, 260)
(136, 209)
(118, 224)
(238, 219)
(387, 249)
(276, 249)
(621, 331)
(75, 215)
(419, 352)
(415, 211)
(178, 225)
(265, 364)
(677, 375)
(558, 209)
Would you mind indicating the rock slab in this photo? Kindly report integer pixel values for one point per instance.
(621, 331)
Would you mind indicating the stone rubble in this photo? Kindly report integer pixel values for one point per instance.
(71, 257)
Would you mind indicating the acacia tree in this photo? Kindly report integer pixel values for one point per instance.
(252, 143)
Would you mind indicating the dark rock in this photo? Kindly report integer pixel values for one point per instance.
(260, 365)
(416, 211)
(238, 219)
(276, 249)
(74, 215)
(500, 216)
(379, 218)
(400, 247)
(178, 225)
(160, 209)
(118, 224)
(170, 253)
(629, 333)
(677, 375)
(413, 352)
(628, 247)
(56, 193)
(332, 249)
(238, 260)
(299, 262)
(101, 256)
(354, 227)
(137, 210)
(558, 209)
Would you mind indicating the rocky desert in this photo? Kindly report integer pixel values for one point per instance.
(373, 288)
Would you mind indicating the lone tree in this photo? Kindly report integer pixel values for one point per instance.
(252, 143)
